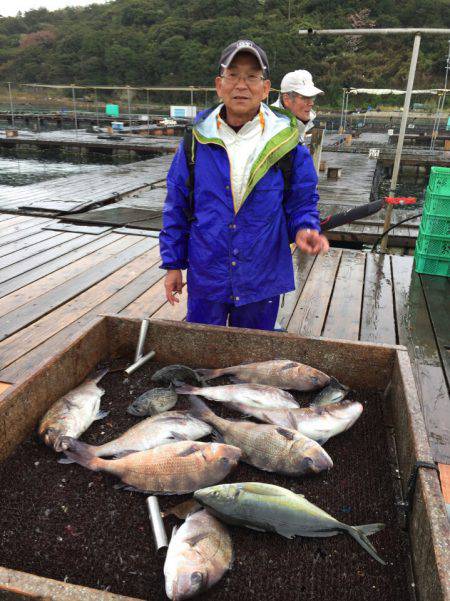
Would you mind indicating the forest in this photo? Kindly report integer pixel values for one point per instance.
(167, 42)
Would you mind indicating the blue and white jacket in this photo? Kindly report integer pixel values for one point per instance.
(238, 255)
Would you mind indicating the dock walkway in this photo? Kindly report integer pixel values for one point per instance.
(55, 284)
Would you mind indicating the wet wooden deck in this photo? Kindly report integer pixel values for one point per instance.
(53, 284)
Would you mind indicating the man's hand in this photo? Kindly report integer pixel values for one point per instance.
(311, 242)
(173, 283)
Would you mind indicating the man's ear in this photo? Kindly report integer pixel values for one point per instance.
(266, 88)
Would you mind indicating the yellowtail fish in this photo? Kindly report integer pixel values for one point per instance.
(275, 509)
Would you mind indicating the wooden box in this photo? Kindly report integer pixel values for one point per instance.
(206, 346)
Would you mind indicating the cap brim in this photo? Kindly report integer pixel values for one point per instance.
(306, 91)
(244, 49)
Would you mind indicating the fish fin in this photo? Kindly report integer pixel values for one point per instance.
(101, 415)
(182, 388)
(183, 510)
(369, 529)
(119, 486)
(292, 420)
(79, 452)
(217, 436)
(255, 528)
(199, 408)
(196, 538)
(96, 376)
(174, 531)
(284, 532)
(123, 454)
(178, 436)
(336, 384)
(208, 374)
(265, 417)
(236, 380)
(189, 451)
(286, 433)
(66, 460)
(358, 533)
(132, 411)
(289, 365)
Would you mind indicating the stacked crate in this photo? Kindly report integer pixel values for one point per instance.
(432, 253)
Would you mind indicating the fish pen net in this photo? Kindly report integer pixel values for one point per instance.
(70, 524)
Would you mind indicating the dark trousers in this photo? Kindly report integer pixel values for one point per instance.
(260, 315)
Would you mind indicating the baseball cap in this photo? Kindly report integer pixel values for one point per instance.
(244, 46)
(299, 81)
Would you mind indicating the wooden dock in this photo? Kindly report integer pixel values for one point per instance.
(54, 284)
(91, 142)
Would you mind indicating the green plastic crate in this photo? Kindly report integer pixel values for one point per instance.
(439, 182)
(437, 204)
(433, 246)
(431, 265)
(435, 225)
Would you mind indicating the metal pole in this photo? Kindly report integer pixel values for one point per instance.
(192, 96)
(11, 104)
(74, 101)
(129, 106)
(374, 31)
(401, 137)
(341, 123)
(148, 115)
(96, 107)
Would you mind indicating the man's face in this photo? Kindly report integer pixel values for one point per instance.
(242, 87)
(299, 105)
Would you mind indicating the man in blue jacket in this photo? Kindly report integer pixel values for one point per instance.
(233, 233)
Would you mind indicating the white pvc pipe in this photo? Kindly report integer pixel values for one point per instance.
(374, 31)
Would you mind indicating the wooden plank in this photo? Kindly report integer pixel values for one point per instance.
(25, 231)
(81, 246)
(127, 287)
(112, 244)
(302, 264)
(344, 315)
(17, 245)
(176, 312)
(444, 474)
(310, 312)
(416, 333)
(4, 387)
(148, 303)
(55, 297)
(18, 259)
(31, 337)
(9, 272)
(377, 321)
(437, 296)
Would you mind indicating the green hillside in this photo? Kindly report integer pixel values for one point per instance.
(151, 42)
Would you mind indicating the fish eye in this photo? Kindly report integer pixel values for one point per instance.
(196, 577)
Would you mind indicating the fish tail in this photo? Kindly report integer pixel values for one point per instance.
(182, 388)
(360, 533)
(81, 453)
(202, 411)
(210, 374)
(96, 376)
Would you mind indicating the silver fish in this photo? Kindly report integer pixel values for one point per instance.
(73, 413)
(268, 447)
(255, 395)
(333, 393)
(151, 402)
(199, 554)
(319, 422)
(155, 431)
(274, 509)
(280, 373)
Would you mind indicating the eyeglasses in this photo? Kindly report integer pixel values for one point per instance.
(294, 95)
(250, 80)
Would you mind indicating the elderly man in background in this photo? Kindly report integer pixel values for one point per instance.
(297, 95)
(229, 216)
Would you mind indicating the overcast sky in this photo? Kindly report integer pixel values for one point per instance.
(9, 8)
